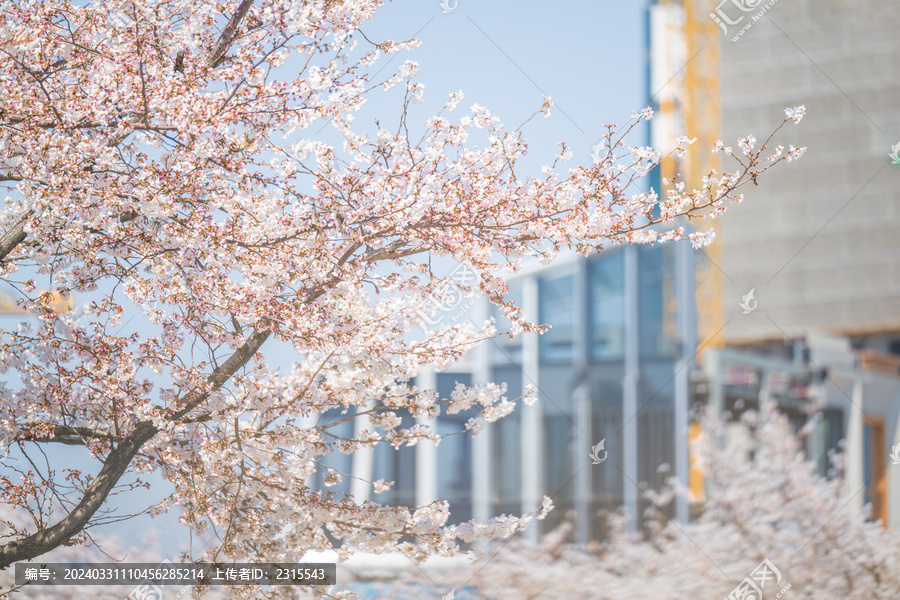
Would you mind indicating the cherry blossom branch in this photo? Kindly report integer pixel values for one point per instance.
(15, 236)
(64, 434)
(216, 55)
(117, 462)
(114, 467)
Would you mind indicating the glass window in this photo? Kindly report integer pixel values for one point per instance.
(559, 440)
(656, 443)
(559, 467)
(338, 461)
(556, 307)
(832, 431)
(606, 426)
(657, 300)
(507, 447)
(505, 350)
(454, 454)
(398, 466)
(607, 305)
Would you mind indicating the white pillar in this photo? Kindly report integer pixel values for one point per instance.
(482, 457)
(581, 406)
(892, 433)
(426, 452)
(581, 401)
(854, 451)
(362, 462)
(532, 416)
(687, 336)
(630, 389)
(309, 422)
(712, 367)
(817, 435)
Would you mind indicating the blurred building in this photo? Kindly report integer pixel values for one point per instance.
(641, 334)
(615, 367)
(816, 242)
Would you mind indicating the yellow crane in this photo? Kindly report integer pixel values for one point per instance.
(701, 111)
(8, 304)
(685, 74)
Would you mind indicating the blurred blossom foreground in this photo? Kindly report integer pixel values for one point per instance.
(767, 504)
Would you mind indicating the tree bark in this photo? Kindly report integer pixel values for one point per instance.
(217, 54)
(113, 469)
(12, 238)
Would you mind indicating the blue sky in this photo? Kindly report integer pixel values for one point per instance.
(588, 56)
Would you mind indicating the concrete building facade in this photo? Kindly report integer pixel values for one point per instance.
(819, 239)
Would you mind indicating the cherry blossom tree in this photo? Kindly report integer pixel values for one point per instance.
(161, 157)
(765, 501)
